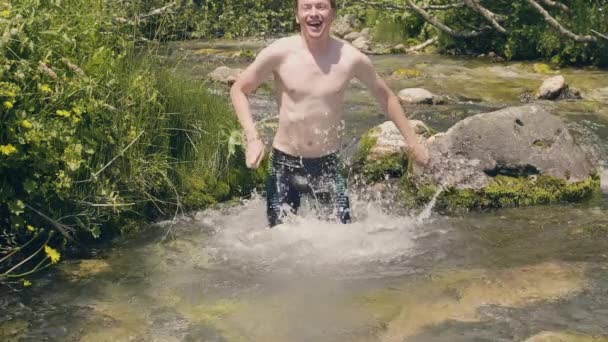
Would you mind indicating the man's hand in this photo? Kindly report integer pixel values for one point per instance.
(420, 154)
(254, 153)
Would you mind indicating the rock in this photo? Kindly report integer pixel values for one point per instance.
(84, 269)
(403, 73)
(366, 32)
(416, 96)
(552, 88)
(361, 43)
(399, 48)
(224, 75)
(604, 180)
(381, 151)
(390, 141)
(551, 336)
(521, 141)
(344, 25)
(352, 36)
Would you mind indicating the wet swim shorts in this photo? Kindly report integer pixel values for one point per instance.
(290, 177)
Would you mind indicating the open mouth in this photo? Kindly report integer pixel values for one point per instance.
(315, 25)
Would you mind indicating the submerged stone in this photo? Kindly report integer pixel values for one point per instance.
(416, 96)
(225, 75)
(551, 336)
(408, 310)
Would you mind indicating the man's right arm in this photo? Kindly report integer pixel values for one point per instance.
(247, 82)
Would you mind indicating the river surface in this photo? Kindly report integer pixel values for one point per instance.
(526, 274)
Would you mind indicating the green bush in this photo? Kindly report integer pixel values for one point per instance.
(94, 137)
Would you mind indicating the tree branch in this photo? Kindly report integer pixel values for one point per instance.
(486, 13)
(443, 7)
(441, 26)
(423, 45)
(61, 228)
(562, 30)
(384, 5)
(601, 35)
(559, 5)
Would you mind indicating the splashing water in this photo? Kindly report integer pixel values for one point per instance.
(307, 242)
(425, 214)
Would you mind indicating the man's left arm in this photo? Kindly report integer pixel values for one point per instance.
(365, 72)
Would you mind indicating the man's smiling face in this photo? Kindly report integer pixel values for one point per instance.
(314, 17)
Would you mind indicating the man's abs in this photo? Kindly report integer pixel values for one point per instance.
(309, 135)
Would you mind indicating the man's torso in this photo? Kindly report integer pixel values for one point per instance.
(310, 94)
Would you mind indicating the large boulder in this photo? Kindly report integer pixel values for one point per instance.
(362, 43)
(512, 157)
(516, 141)
(351, 37)
(224, 75)
(552, 88)
(344, 25)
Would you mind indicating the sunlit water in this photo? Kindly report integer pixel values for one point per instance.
(224, 276)
(527, 274)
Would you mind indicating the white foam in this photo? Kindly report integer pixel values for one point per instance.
(242, 235)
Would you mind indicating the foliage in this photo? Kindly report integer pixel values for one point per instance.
(529, 36)
(94, 139)
(211, 18)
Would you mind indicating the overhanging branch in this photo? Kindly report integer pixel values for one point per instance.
(562, 30)
(490, 16)
(441, 26)
(601, 35)
(559, 5)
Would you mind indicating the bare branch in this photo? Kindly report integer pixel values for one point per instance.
(157, 11)
(559, 5)
(392, 6)
(441, 26)
(61, 228)
(562, 30)
(423, 45)
(96, 174)
(486, 13)
(601, 35)
(443, 7)
(384, 5)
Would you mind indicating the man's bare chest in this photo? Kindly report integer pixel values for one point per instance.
(305, 78)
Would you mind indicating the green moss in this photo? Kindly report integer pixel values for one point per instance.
(406, 73)
(393, 165)
(541, 68)
(503, 191)
(542, 143)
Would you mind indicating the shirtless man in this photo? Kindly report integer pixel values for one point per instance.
(311, 72)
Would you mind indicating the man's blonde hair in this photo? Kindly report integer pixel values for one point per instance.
(331, 2)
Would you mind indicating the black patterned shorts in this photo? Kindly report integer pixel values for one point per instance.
(290, 177)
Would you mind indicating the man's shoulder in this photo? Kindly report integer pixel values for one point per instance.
(283, 44)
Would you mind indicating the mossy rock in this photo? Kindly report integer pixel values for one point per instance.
(373, 170)
(404, 73)
(541, 68)
(503, 191)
